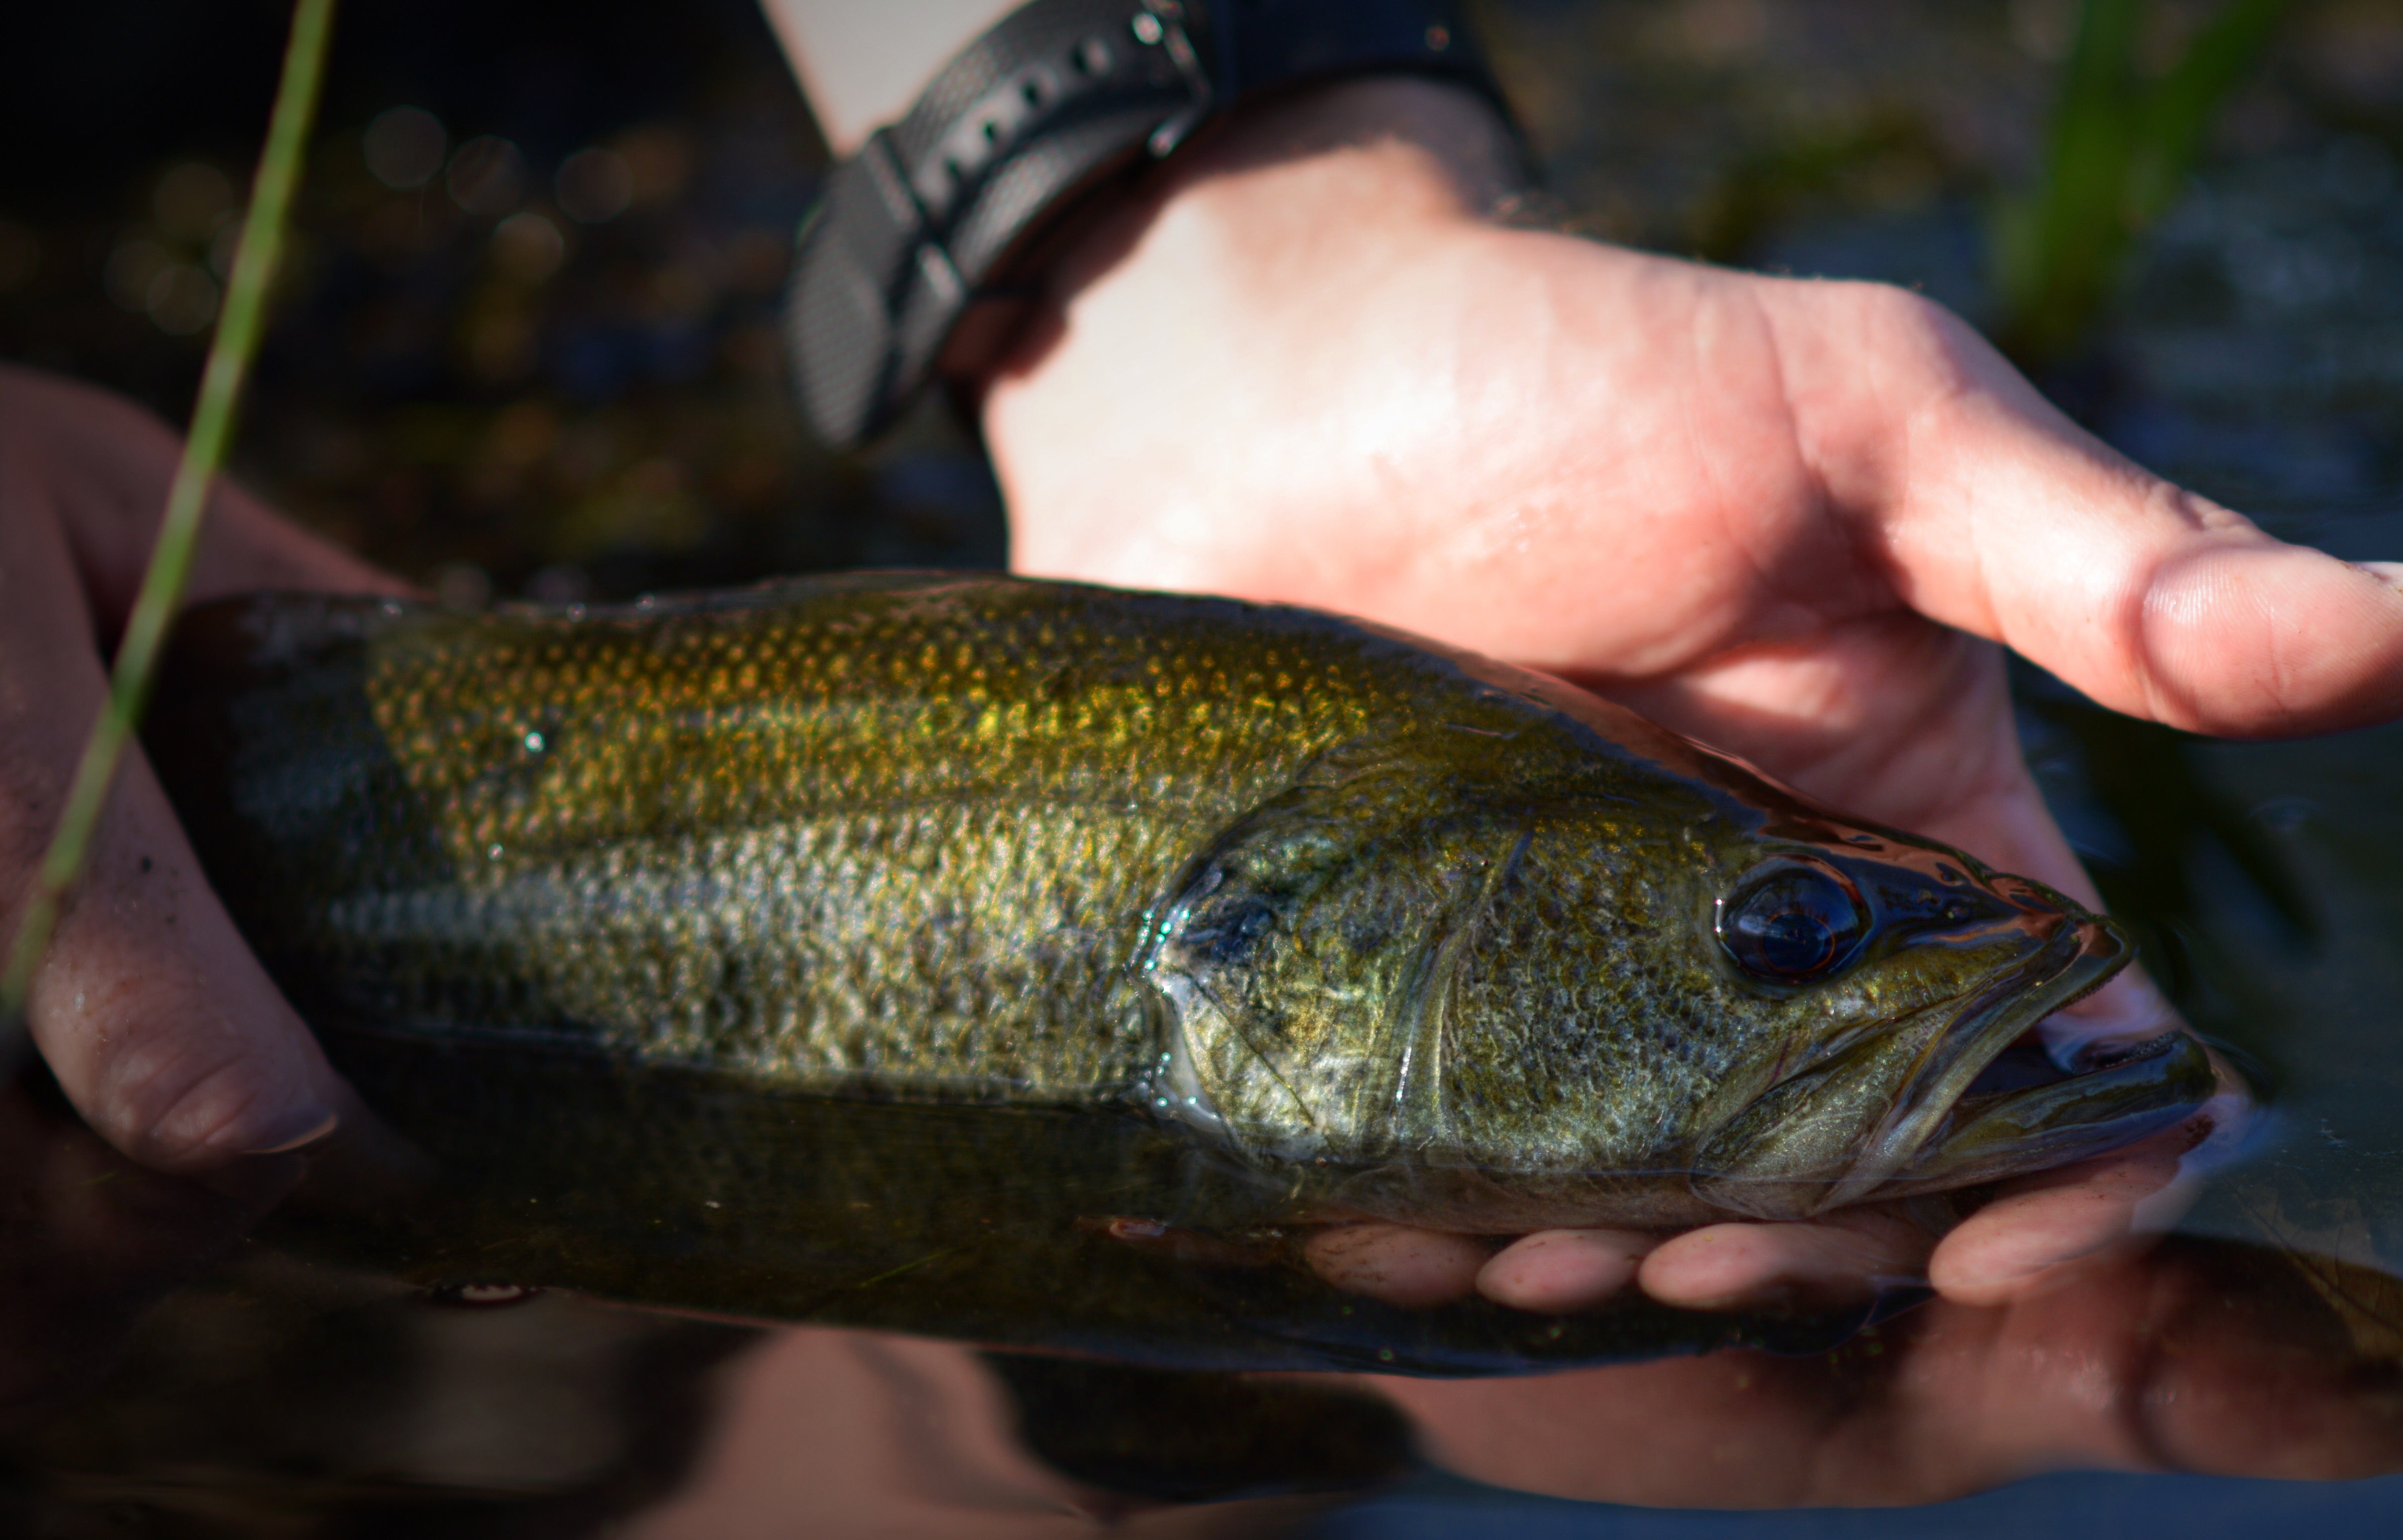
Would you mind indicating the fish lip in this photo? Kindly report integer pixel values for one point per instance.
(2082, 955)
(2150, 1086)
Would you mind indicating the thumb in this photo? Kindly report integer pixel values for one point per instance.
(1995, 513)
(158, 1023)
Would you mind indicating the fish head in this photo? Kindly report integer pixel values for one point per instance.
(1628, 984)
(1907, 983)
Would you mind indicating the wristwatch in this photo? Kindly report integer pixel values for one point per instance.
(921, 255)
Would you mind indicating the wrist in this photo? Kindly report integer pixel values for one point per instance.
(1301, 174)
(1261, 243)
(1434, 143)
(925, 254)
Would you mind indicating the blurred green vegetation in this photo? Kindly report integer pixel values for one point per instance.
(2118, 148)
(1887, 149)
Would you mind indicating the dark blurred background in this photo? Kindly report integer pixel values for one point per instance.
(527, 339)
(527, 344)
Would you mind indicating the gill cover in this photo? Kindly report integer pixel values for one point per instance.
(1303, 966)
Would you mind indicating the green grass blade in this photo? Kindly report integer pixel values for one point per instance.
(231, 349)
(2116, 154)
(2182, 106)
(2055, 246)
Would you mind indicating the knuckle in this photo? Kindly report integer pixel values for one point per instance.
(1908, 316)
(175, 1053)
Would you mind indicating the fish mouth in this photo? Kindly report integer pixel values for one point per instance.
(2076, 959)
(2111, 1095)
(1995, 1101)
(1969, 1091)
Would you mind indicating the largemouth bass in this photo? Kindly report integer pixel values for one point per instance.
(1266, 917)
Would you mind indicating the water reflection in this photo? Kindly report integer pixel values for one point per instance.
(274, 1387)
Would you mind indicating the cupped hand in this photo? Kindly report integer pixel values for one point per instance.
(160, 1027)
(1799, 521)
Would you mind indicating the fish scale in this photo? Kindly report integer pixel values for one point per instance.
(580, 780)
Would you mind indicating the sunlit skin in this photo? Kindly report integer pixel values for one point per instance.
(1797, 519)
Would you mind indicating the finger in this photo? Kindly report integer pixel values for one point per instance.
(1558, 1271)
(1995, 513)
(1841, 1258)
(1399, 1265)
(110, 462)
(160, 1027)
(2029, 1239)
(2204, 1356)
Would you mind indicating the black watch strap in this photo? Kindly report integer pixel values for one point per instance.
(918, 253)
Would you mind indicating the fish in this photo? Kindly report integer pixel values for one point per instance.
(988, 898)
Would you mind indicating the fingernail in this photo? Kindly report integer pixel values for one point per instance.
(2388, 573)
(298, 1127)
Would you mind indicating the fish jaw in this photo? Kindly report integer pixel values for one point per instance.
(2149, 1087)
(2079, 957)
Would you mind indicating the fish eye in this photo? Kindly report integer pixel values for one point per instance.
(1791, 921)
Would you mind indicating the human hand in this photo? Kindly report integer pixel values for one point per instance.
(1796, 519)
(160, 1027)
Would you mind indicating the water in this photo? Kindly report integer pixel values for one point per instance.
(165, 1370)
(2082, 1504)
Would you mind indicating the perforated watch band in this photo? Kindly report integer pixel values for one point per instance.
(919, 252)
